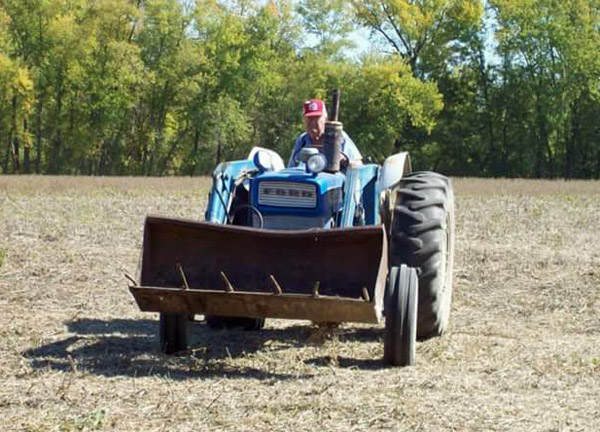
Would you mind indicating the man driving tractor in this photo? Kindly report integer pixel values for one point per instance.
(315, 116)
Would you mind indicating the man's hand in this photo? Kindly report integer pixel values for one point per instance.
(345, 162)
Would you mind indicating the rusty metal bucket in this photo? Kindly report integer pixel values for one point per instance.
(320, 275)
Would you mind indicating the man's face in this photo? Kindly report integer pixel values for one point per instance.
(315, 127)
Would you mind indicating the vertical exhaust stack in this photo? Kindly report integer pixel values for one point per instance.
(332, 145)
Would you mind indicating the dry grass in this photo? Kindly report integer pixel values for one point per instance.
(522, 352)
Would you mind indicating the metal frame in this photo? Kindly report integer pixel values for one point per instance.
(256, 305)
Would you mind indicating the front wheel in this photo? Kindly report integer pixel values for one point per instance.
(173, 332)
(237, 216)
(400, 337)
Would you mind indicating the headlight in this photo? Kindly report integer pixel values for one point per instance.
(316, 163)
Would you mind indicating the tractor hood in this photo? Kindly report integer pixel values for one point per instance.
(324, 181)
(294, 199)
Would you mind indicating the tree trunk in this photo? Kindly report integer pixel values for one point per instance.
(7, 155)
(26, 160)
(493, 154)
(194, 164)
(144, 154)
(219, 148)
(568, 164)
(14, 149)
(55, 156)
(572, 140)
(219, 153)
(56, 149)
(103, 157)
(38, 134)
(26, 155)
(16, 155)
(505, 167)
(539, 159)
(551, 159)
(542, 139)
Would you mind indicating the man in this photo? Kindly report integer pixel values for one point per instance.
(315, 116)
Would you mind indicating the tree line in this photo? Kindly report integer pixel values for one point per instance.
(161, 87)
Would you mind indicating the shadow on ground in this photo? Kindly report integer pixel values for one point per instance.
(124, 347)
(346, 363)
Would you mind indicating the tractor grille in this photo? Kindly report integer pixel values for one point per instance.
(284, 194)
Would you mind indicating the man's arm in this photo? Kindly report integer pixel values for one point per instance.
(297, 146)
(351, 151)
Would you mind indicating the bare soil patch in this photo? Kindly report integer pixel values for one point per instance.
(522, 352)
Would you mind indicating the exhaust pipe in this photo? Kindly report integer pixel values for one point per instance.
(332, 144)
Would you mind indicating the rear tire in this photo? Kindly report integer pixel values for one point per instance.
(400, 336)
(422, 236)
(173, 332)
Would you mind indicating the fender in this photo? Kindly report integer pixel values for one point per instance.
(275, 161)
(394, 168)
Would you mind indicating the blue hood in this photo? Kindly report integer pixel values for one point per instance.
(324, 181)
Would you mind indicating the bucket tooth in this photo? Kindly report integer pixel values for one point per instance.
(130, 279)
(365, 294)
(276, 286)
(182, 273)
(316, 289)
(228, 285)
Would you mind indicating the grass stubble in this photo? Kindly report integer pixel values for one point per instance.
(522, 352)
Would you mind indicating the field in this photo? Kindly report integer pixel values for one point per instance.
(522, 352)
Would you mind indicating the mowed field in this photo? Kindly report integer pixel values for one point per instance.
(522, 352)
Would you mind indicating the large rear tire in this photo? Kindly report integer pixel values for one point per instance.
(173, 332)
(422, 236)
(400, 335)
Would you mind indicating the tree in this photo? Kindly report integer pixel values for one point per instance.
(111, 83)
(326, 25)
(553, 48)
(382, 96)
(424, 33)
(163, 44)
(16, 92)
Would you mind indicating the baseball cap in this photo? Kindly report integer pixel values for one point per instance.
(314, 108)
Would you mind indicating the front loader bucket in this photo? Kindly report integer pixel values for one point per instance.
(321, 275)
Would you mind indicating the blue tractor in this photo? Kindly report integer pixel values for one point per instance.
(323, 241)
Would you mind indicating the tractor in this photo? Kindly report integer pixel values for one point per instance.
(325, 241)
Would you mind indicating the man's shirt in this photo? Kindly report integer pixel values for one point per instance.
(304, 140)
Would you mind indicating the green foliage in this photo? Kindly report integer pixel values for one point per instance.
(385, 97)
(328, 23)
(424, 33)
(94, 420)
(554, 60)
(161, 87)
(16, 94)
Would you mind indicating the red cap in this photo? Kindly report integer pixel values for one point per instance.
(313, 108)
